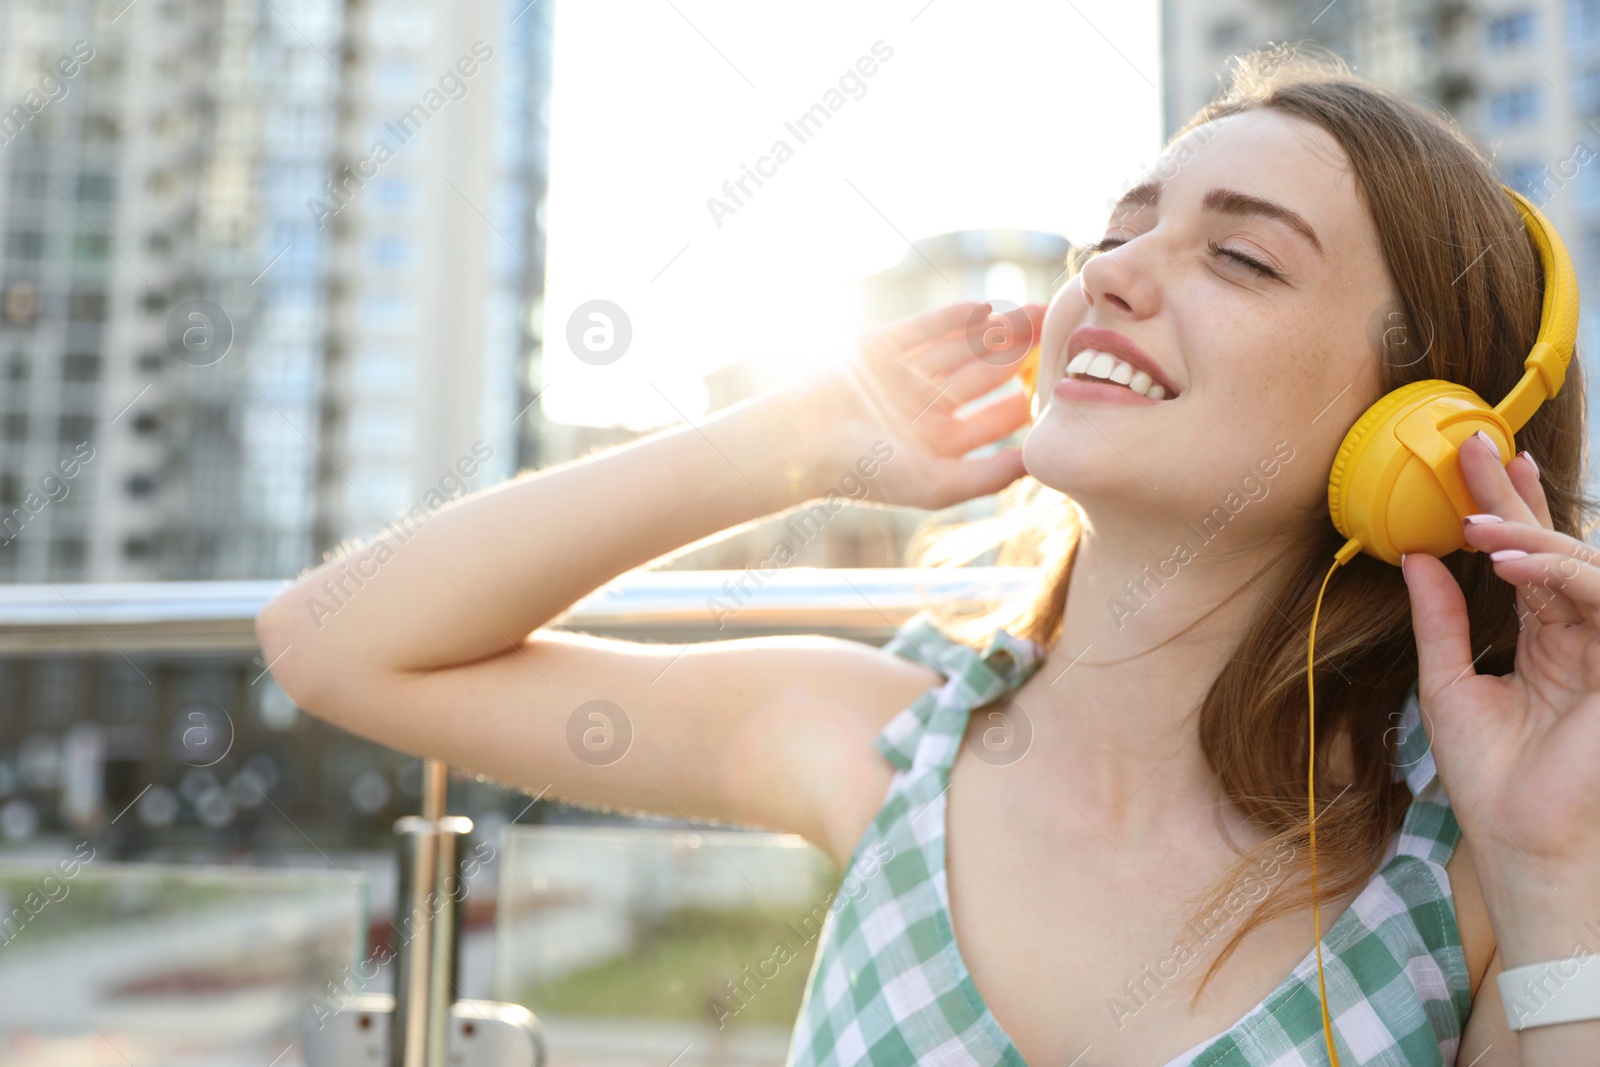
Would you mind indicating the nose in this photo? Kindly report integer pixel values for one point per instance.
(1121, 279)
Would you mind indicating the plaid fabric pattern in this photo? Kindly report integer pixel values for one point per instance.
(889, 986)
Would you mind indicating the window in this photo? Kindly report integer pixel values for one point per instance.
(391, 193)
(389, 250)
(75, 429)
(16, 426)
(24, 244)
(1583, 23)
(385, 370)
(68, 552)
(1426, 34)
(1586, 92)
(145, 424)
(19, 304)
(1514, 107)
(1591, 251)
(89, 248)
(81, 367)
(1227, 35)
(141, 485)
(1589, 189)
(388, 313)
(380, 433)
(87, 305)
(1508, 32)
(397, 78)
(101, 128)
(95, 187)
(1530, 178)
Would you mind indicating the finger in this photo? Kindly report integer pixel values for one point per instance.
(1439, 619)
(1489, 484)
(900, 387)
(967, 479)
(943, 356)
(1486, 535)
(1524, 474)
(989, 423)
(1534, 534)
(1554, 578)
(913, 330)
(1035, 313)
(976, 379)
(1001, 338)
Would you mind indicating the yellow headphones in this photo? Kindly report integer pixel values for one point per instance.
(1396, 485)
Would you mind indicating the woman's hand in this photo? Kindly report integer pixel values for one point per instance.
(903, 385)
(1519, 755)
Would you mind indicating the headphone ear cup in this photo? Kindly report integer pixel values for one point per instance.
(1396, 482)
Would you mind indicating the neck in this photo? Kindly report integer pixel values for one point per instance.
(1152, 614)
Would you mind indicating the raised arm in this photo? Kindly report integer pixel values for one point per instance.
(442, 650)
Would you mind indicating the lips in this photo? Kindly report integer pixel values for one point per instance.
(1100, 339)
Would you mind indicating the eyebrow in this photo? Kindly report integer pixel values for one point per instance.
(1229, 202)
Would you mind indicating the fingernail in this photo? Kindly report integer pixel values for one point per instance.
(1479, 519)
(1524, 454)
(1480, 435)
(1507, 553)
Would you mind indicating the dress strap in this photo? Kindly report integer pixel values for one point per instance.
(930, 729)
(1430, 829)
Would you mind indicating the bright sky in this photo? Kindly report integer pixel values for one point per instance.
(1004, 113)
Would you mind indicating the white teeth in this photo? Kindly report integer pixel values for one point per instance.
(1092, 364)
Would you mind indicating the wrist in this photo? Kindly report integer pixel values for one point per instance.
(806, 414)
(776, 443)
(1544, 913)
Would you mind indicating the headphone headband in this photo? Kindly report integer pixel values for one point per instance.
(1558, 320)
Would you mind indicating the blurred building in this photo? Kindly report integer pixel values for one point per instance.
(1523, 79)
(265, 277)
(264, 283)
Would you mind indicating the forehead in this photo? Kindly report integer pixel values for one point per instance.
(1276, 156)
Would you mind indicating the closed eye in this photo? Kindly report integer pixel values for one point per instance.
(1106, 244)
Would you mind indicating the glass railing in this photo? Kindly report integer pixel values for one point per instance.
(641, 945)
(159, 965)
(609, 945)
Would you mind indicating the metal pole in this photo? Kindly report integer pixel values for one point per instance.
(427, 925)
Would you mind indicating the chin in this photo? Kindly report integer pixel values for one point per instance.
(1064, 460)
(1076, 459)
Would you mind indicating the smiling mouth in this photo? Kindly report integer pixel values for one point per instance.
(1093, 365)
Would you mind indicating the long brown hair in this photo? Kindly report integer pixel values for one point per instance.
(1469, 286)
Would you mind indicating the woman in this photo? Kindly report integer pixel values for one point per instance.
(1099, 885)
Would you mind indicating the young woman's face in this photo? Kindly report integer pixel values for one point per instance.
(1264, 371)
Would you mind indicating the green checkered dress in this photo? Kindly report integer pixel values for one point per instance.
(889, 986)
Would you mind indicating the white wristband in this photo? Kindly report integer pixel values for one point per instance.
(1555, 991)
